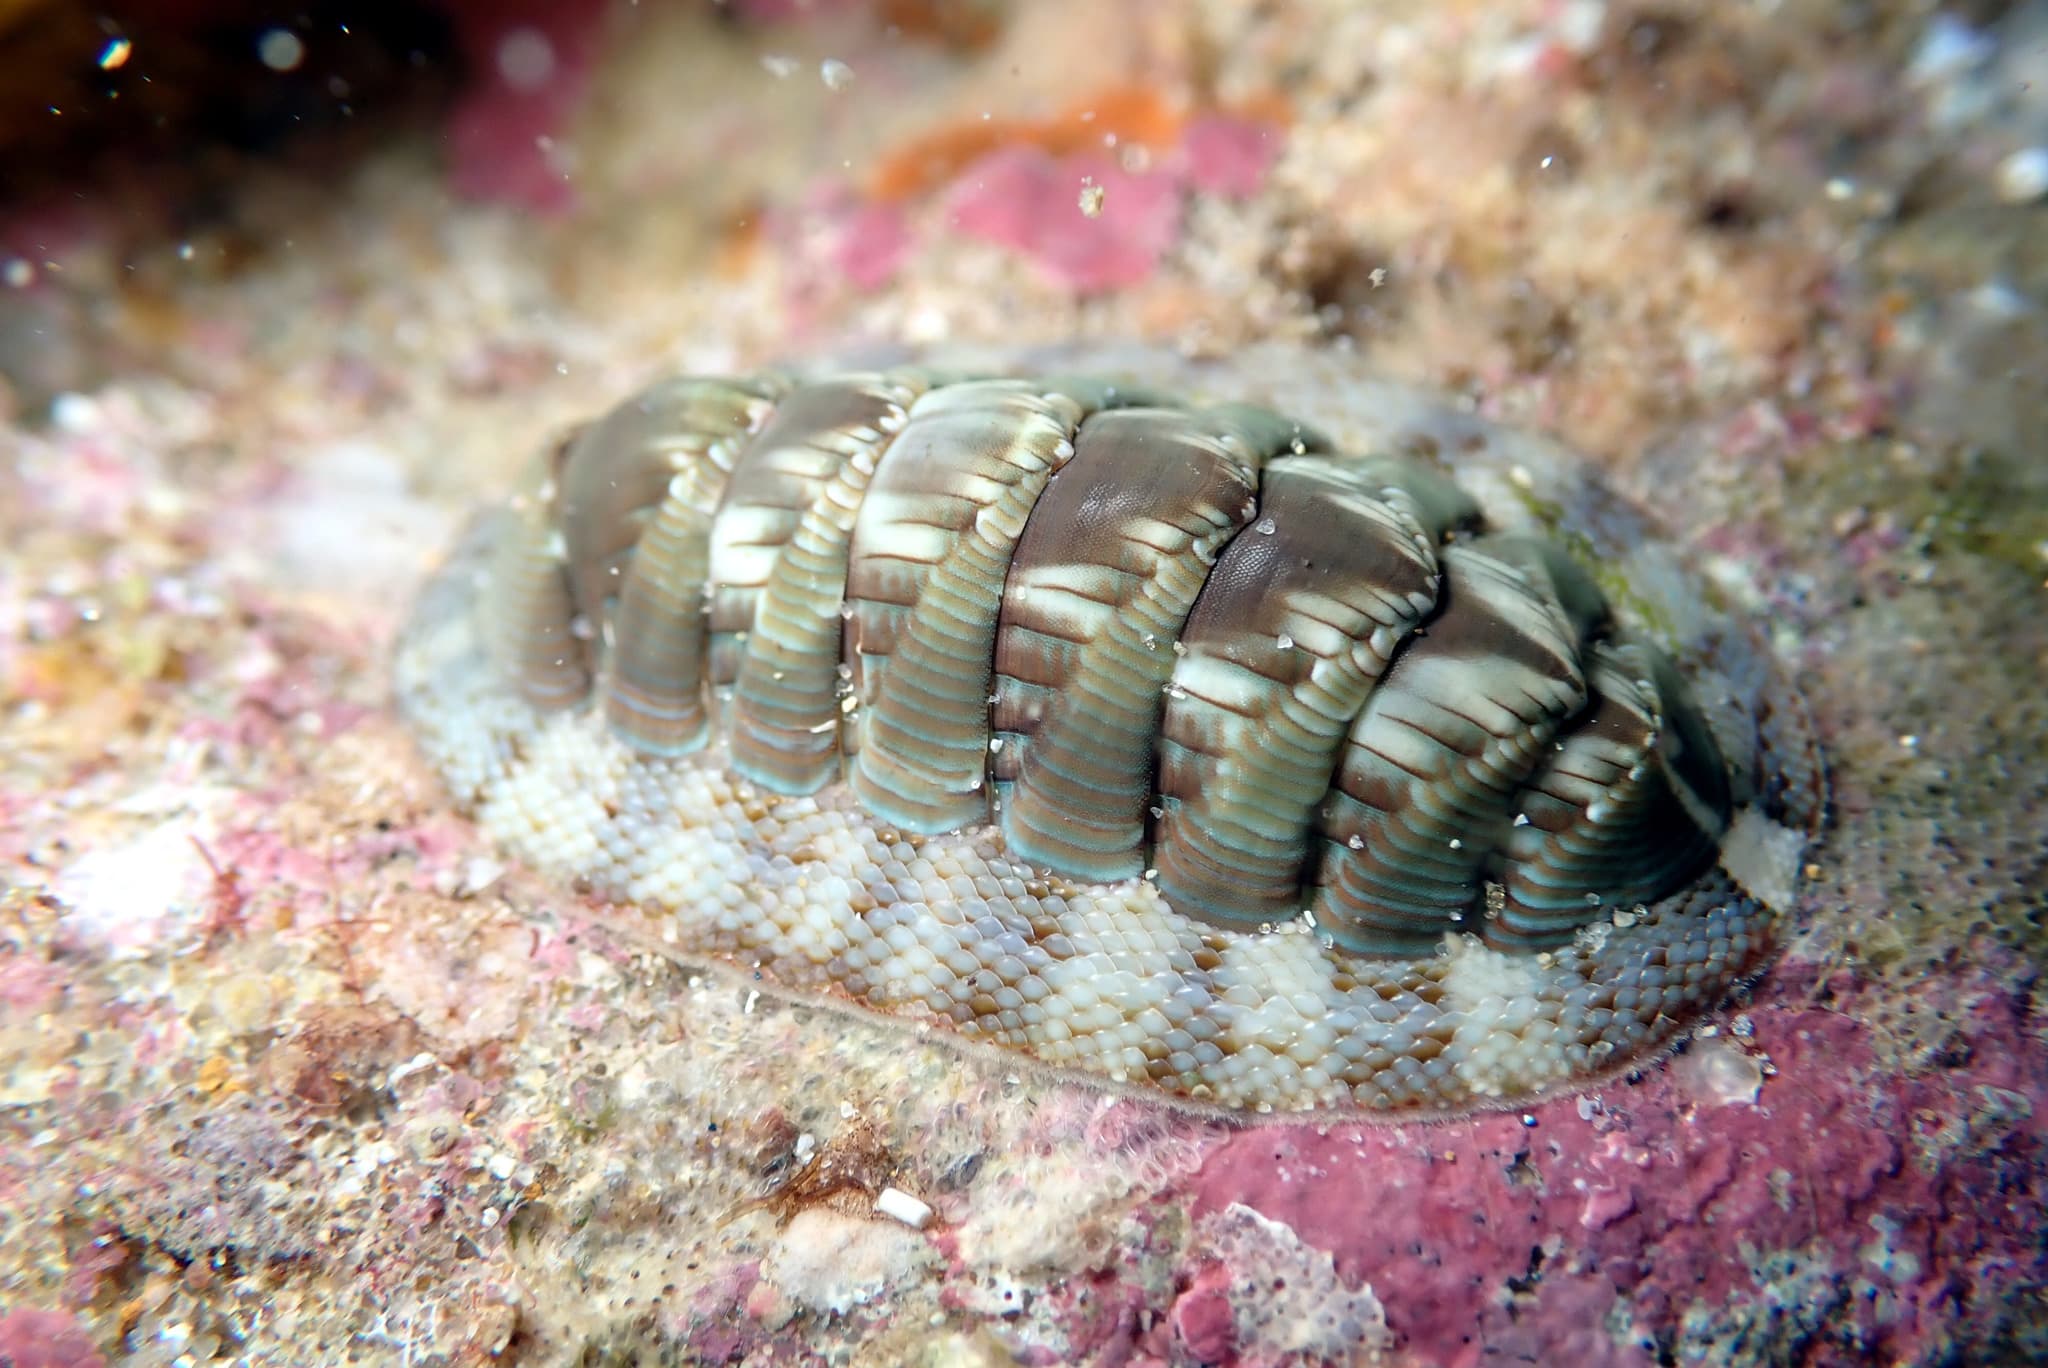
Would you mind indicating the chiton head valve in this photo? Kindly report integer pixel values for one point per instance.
(1179, 743)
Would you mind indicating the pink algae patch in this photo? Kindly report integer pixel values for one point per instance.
(831, 241)
(1093, 195)
(787, 11)
(532, 60)
(33, 1338)
(1204, 1326)
(836, 234)
(1227, 155)
(29, 987)
(870, 244)
(1026, 199)
(1535, 1231)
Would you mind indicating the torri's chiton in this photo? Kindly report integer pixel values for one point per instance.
(1335, 750)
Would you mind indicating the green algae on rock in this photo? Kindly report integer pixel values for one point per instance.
(1271, 756)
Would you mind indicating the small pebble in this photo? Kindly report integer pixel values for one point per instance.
(899, 1205)
(2023, 176)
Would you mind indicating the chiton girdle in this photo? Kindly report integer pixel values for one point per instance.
(1277, 681)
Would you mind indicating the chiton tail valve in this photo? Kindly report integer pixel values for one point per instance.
(1328, 750)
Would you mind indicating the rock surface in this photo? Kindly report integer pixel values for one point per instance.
(294, 1067)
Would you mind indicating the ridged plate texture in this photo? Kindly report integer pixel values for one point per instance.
(1264, 735)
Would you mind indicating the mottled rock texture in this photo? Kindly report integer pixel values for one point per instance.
(298, 1068)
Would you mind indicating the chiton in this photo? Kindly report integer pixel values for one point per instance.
(1333, 749)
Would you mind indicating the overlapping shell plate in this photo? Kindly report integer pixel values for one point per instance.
(1327, 750)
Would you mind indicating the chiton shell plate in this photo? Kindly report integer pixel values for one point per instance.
(1263, 735)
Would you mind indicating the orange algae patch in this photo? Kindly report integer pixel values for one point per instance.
(739, 242)
(961, 25)
(1115, 116)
